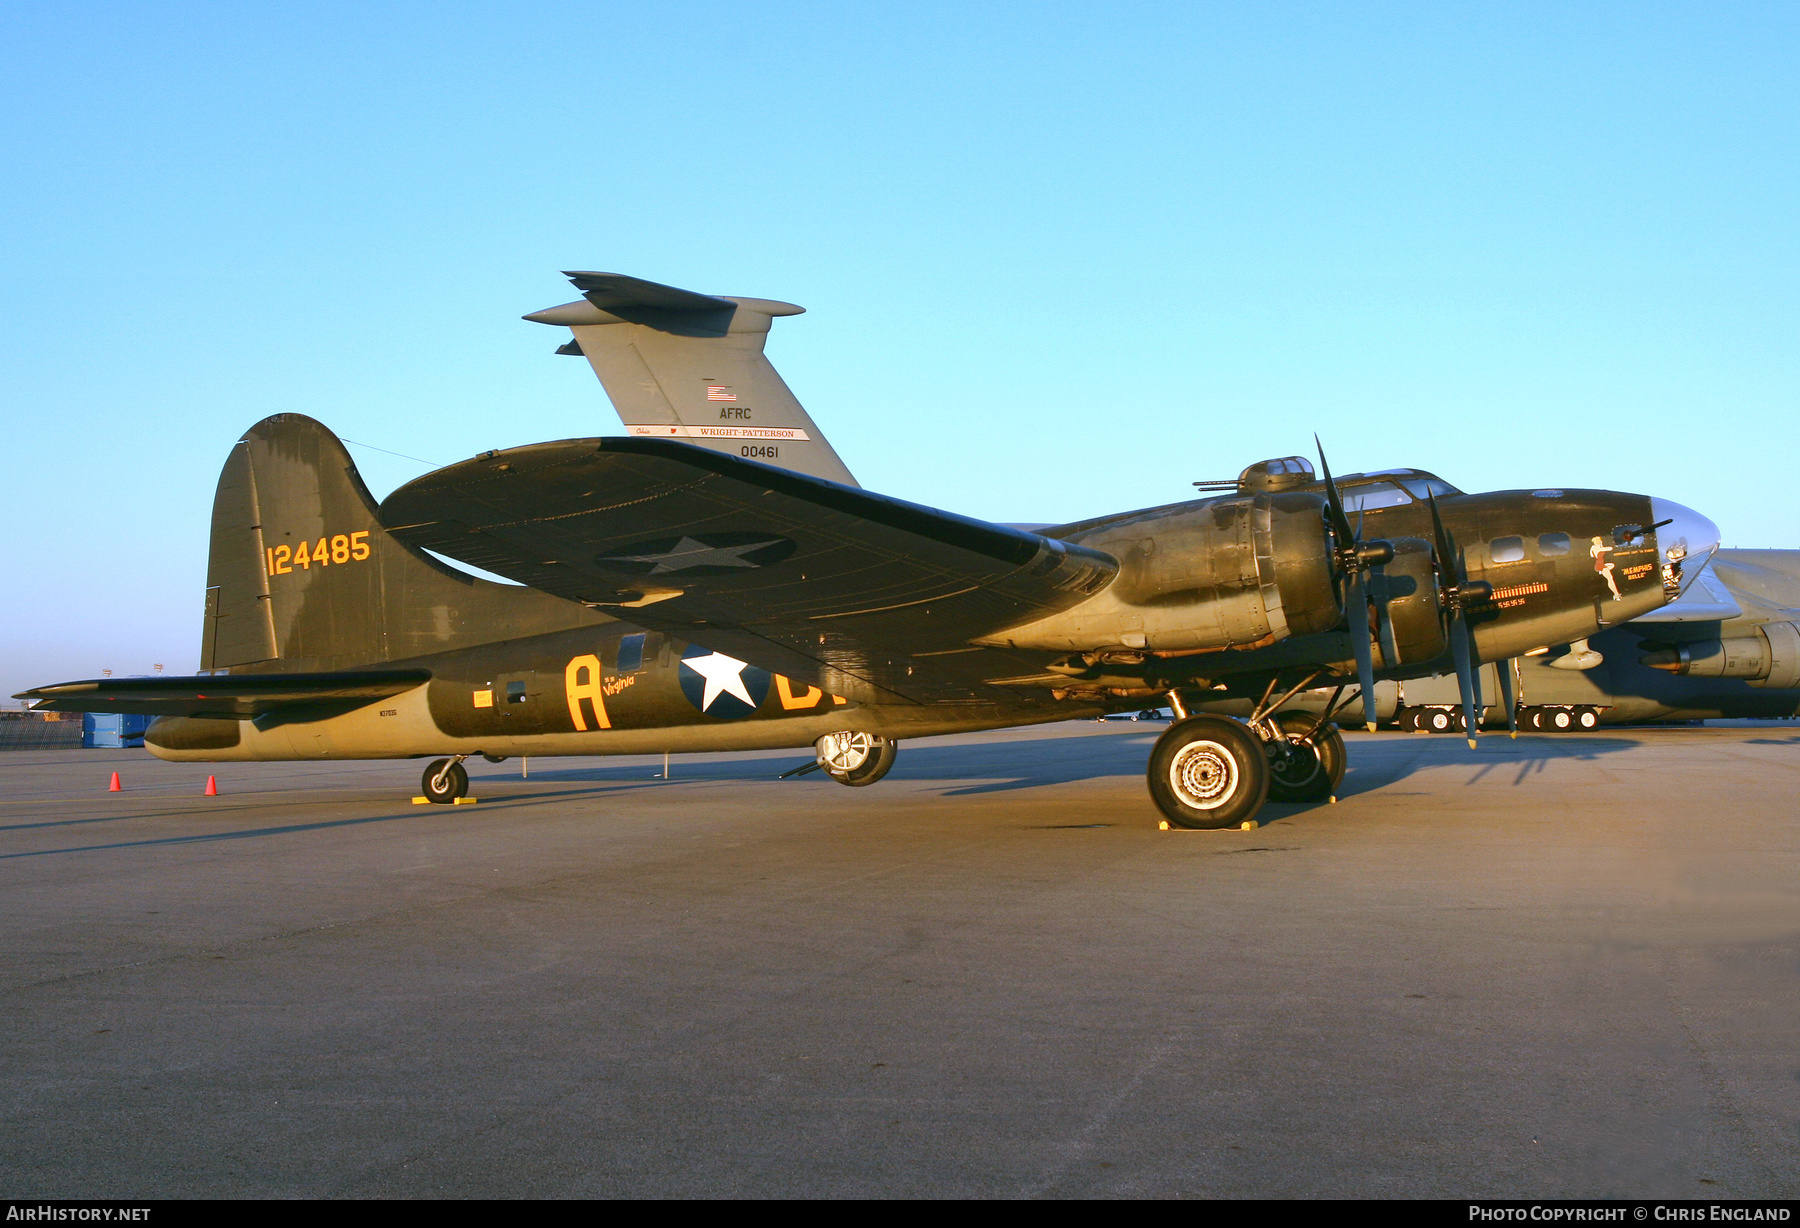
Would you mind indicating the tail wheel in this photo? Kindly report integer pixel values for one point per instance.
(1208, 772)
(1587, 718)
(1305, 771)
(856, 759)
(1561, 720)
(444, 781)
(1439, 720)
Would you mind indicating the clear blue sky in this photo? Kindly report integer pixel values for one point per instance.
(1059, 259)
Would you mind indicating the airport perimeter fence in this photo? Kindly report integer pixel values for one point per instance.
(19, 731)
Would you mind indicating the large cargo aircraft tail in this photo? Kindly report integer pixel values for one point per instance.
(303, 577)
(681, 365)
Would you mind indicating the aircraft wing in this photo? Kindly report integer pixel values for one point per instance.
(870, 597)
(228, 696)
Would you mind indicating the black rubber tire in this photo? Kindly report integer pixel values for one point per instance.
(1438, 720)
(1559, 720)
(1208, 772)
(872, 769)
(1531, 718)
(1310, 773)
(456, 782)
(1587, 718)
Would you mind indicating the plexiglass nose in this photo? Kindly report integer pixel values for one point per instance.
(1685, 543)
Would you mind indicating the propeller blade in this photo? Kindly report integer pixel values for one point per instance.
(1359, 641)
(1475, 664)
(1340, 523)
(1465, 676)
(1445, 543)
(1504, 670)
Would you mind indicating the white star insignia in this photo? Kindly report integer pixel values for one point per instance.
(724, 676)
(690, 553)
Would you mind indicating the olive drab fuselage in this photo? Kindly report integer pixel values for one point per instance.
(614, 688)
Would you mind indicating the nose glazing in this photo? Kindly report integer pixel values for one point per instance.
(1687, 541)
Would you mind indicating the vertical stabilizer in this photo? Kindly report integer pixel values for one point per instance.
(302, 575)
(691, 366)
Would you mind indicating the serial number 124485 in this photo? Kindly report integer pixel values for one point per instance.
(343, 548)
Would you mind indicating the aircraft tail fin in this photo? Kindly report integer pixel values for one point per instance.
(688, 366)
(302, 576)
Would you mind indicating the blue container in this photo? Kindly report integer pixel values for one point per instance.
(113, 729)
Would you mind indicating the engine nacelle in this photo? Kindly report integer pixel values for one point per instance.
(1770, 656)
(1229, 572)
(1415, 609)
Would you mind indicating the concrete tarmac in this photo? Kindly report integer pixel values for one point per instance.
(1557, 966)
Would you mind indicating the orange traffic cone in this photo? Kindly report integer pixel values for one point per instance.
(212, 786)
(115, 786)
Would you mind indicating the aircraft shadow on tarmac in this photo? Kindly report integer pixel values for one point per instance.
(1375, 764)
(1001, 767)
(998, 767)
(1380, 762)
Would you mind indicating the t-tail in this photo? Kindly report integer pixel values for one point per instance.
(687, 366)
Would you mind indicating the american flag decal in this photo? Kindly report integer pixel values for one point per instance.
(714, 393)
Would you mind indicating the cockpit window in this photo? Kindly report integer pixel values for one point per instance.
(1551, 544)
(1506, 549)
(1421, 487)
(1374, 495)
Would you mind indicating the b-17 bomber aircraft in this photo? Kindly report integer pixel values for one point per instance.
(715, 580)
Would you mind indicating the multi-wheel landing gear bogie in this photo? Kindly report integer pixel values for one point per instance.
(1563, 718)
(1553, 718)
(1209, 772)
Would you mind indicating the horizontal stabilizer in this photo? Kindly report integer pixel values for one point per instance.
(812, 579)
(225, 696)
(613, 296)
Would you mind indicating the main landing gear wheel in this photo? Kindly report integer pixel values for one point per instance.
(1307, 771)
(1587, 718)
(856, 759)
(1560, 719)
(445, 781)
(1208, 772)
(1438, 720)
